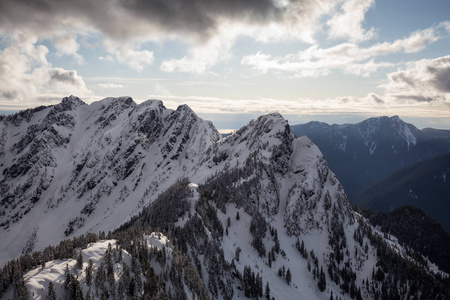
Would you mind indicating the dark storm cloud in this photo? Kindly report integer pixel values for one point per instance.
(201, 14)
(122, 19)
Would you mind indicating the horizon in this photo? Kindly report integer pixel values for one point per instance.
(339, 61)
(227, 125)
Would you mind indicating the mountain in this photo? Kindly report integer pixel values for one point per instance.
(188, 215)
(364, 153)
(425, 185)
(77, 168)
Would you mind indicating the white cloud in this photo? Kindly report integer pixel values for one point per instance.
(66, 44)
(202, 57)
(26, 76)
(111, 85)
(347, 23)
(312, 68)
(128, 53)
(348, 57)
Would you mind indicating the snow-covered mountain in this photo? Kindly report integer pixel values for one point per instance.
(74, 168)
(257, 211)
(367, 152)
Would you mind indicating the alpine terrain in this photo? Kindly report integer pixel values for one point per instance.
(123, 200)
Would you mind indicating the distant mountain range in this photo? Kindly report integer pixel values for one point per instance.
(362, 154)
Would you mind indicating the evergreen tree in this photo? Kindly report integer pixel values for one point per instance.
(66, 277)
(267, 292)
(51, 293)
(322, 284)
(79, 264)
(88, 271)
(269, 257)
(78, 290)
(20, 290)
(120, 254)
(237, 252)
(288, 276)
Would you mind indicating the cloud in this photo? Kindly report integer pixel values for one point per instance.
(202, 57)
(426, 80)
(199, 19)
(347, 23)
(212, 105)
(348, 57)
(66, 44)
(209, 26)
(26, 77)
(111, 85)
(127, 53)
(312, 68)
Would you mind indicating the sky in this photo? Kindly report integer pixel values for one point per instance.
(336, 61)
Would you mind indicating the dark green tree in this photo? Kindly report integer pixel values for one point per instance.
(79, 261)
(322, 284)
(51, 293)
(267, 292)
(288, 276)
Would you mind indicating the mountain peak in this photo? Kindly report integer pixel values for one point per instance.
(272, 128)
(71, 102)
(184, 107)
(152, 103)
(118, 102)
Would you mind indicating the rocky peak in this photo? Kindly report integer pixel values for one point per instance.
(71, 102)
